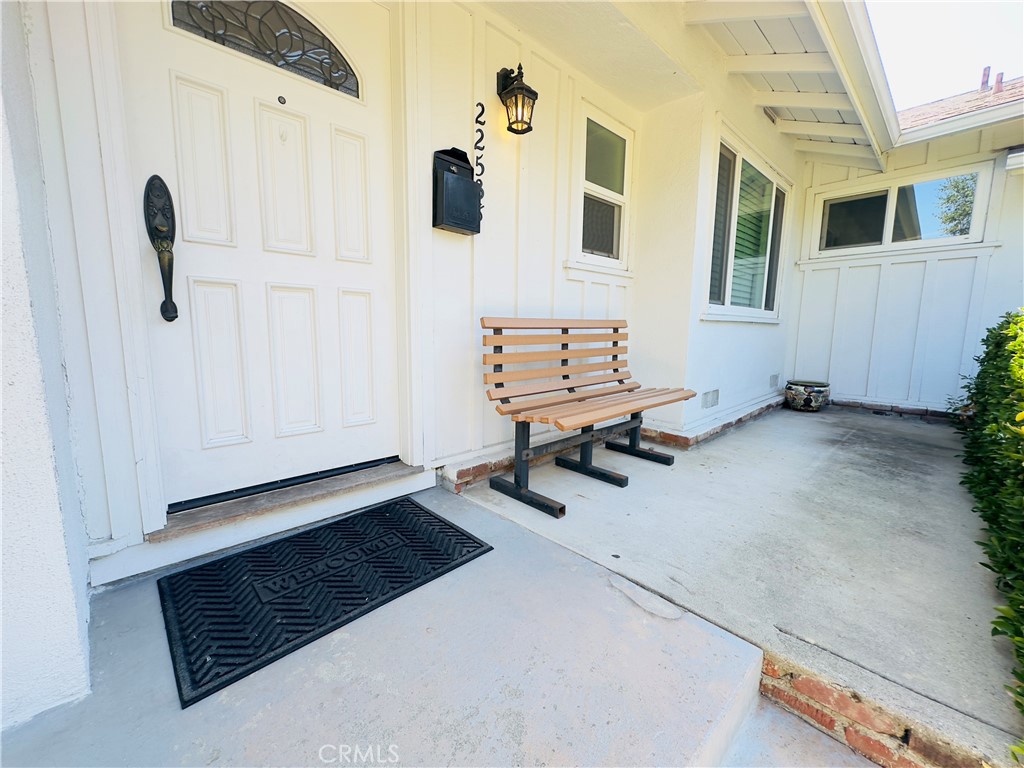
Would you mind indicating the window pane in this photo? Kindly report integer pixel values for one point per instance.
(723, 211)
(854, 221)
(753, 216)
(940, 208)
(600, 227)
(606, 158)
(773, 254)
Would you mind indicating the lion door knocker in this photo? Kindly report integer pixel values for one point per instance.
(158, 210)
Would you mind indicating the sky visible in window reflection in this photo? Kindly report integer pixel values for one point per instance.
(920, 208)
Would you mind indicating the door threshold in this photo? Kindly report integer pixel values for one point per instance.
(246, 507)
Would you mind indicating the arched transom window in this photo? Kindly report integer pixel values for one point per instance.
(270, 31)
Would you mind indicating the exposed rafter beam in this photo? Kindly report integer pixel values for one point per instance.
(833, 130)
(867, 163)
(780, 62)
(709, 12)
(802, 100)
(832, 148)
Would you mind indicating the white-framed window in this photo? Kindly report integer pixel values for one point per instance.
(607, 169)
(750, 208)
(939, 209)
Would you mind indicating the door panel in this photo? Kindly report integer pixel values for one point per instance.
(284, 358)
(220, 369)
(285, 180)
(206, 192)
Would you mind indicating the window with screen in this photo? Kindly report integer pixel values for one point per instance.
(605, 191)
(746, 235)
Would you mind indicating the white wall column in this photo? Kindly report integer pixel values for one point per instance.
(44, 601)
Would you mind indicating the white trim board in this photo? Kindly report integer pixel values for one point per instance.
(972, 121)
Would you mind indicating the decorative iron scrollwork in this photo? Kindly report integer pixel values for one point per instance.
(158, 212)
(270, 31)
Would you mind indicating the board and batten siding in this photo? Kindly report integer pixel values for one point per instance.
(516, 265)
(902, 328)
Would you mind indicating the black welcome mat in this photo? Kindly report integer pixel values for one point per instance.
(228, 618)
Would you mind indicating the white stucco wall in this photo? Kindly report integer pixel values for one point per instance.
(901, 327)
(676, 203)
(45, 653)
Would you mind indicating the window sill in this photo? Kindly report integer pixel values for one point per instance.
(586, 266)
(893, 249)
(725, 316)
(890, 253)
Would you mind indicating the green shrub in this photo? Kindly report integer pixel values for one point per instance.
(990, 416)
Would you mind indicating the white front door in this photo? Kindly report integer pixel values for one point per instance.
(283, 359)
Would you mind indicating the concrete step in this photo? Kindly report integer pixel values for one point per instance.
(835, 542)
(770, 737)
(529, 655)
(729, 691)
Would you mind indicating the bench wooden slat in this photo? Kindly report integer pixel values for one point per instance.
(531, 339)
(521, 406)
(554, 386)
(556, 413)
(546, 373)
(544, 355)
(548, 414)
(604, 413)
(515, 323)
(541, 384)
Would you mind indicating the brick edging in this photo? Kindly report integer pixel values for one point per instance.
(477, 472)
(879, 735)
(928, 414)
(682, 441)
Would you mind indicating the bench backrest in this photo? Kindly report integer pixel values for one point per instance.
(554, 361)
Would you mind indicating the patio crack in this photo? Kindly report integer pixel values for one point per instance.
(875, 672)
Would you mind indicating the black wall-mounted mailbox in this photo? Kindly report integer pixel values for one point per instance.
(456, 196)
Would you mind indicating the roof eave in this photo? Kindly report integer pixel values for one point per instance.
(971, 121)
(846, 31)
(856, 54)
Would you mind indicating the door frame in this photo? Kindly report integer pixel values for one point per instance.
(118, 308)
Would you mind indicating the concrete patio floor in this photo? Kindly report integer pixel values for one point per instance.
(839, 540)
(529, 655)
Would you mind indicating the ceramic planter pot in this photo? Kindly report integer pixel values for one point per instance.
(807, 395)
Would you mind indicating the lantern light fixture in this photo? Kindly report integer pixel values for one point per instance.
(518, 99)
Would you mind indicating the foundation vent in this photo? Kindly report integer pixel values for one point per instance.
(709, 399)
(773, 381)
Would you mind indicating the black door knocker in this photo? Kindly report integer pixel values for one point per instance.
(158, 210)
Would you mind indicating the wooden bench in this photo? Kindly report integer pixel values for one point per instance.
(573, 374)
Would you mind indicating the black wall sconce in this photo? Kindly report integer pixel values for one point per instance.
(518, 99)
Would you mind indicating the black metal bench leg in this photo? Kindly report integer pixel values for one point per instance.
(585, 464)
(633, 447)
(519, 487)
